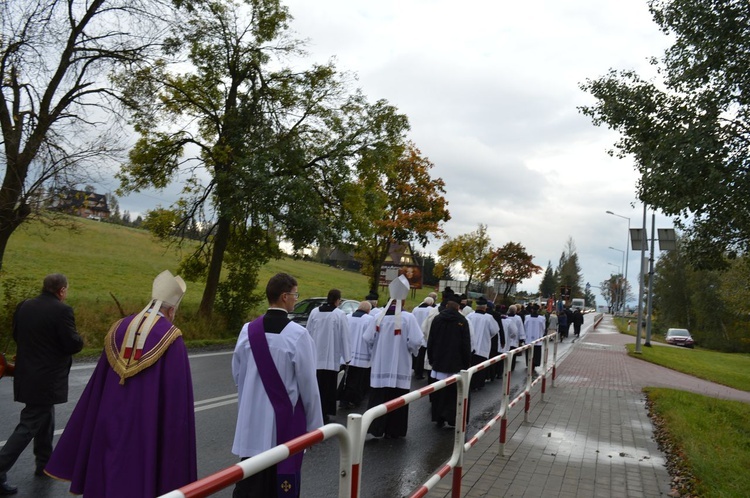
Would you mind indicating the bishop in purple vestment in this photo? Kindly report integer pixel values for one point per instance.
(132, 432)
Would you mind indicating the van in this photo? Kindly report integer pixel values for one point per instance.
(579, 303)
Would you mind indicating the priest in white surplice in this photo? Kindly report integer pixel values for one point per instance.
(329, 329)
(485, 327)
(274, 368)
(395, 340)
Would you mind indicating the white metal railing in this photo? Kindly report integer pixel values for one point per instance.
(352, 437)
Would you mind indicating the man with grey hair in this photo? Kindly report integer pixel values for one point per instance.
(44, 329)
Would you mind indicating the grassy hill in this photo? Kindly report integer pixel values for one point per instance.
(104, 262)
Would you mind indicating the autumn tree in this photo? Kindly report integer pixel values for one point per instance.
(56, 105)
(689, 130)
(265, 148)
(392, 199)
(510, 264)
(468, 250)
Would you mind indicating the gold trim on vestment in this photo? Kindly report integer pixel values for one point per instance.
(128, 367)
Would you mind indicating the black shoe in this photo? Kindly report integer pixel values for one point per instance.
(39, 472)
(419, 377)
(7, 490)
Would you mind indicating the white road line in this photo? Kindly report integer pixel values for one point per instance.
(91, 365)
(209, 404)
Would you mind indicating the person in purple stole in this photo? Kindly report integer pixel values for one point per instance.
(132, 432)
(274, 367)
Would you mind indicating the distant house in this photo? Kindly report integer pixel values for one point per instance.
(80, 203)
(341, 259)
(401, 261)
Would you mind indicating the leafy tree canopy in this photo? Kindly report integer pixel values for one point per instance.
(689, 132)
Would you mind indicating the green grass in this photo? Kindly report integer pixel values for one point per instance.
(729, 369)
(712, 438)
(103, 260)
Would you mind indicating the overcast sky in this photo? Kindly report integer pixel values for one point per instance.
(491, 90)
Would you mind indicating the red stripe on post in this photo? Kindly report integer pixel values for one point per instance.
(306, 440)
(394, 403)
(355, 481)
(444, 471)
(420, 492)
(503, 428)
(213, 483)
(456, 482)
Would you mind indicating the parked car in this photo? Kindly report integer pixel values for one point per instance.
(302, 309)
(680, 337)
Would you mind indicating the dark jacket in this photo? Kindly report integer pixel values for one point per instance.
(449, 345)
(45, 331)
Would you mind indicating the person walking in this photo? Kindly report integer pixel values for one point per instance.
(485, 328)
(274, 368)
(44, 329)
(356, 381)
(136, 416)
(396, 338)
(449, 352)
(577, 322)
(420, 313)
(329, 329)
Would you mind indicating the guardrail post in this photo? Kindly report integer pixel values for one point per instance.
(554, 359)
(354, 427)
(527, 390)
(462, 405)
(504, 406)
(545, 350)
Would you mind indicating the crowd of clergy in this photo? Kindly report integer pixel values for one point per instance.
(373, 353)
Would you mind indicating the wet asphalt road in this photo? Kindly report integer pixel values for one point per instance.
(391, 467)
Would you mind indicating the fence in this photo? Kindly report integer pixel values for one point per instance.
(352, 437)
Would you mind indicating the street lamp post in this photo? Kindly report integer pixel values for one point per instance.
(627, 244)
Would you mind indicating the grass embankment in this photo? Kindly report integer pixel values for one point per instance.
(104, 262)
(707, 440)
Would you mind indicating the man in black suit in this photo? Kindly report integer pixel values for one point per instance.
(44, 329)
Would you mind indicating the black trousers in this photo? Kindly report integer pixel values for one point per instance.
(37, 423)
(418, 362)
(261, 484)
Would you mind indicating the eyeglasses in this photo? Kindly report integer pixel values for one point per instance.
(295, 294)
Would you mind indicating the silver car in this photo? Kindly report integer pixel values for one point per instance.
(680, 337)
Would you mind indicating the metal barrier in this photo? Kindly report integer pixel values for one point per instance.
(225, 478)
(352, 438)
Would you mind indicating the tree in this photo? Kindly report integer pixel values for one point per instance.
(469, 250)
(277, 144)
(393, 199)
(689, 132)
(55, 107)
(548, 285)
(510, 264)
(568, 271)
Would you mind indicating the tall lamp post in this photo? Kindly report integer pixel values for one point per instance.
(625, 257)
(622, 289)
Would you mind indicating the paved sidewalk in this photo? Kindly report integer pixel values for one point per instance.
(591, 437)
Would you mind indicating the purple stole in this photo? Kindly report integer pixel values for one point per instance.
(290, 421)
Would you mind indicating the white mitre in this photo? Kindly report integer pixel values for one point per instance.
(167, 290)
(399, 290)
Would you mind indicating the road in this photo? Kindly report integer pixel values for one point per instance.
(391, 467)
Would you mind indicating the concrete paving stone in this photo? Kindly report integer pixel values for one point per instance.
(572, 445)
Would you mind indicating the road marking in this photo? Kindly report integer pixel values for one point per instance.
(209, 404)
(86, 366)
